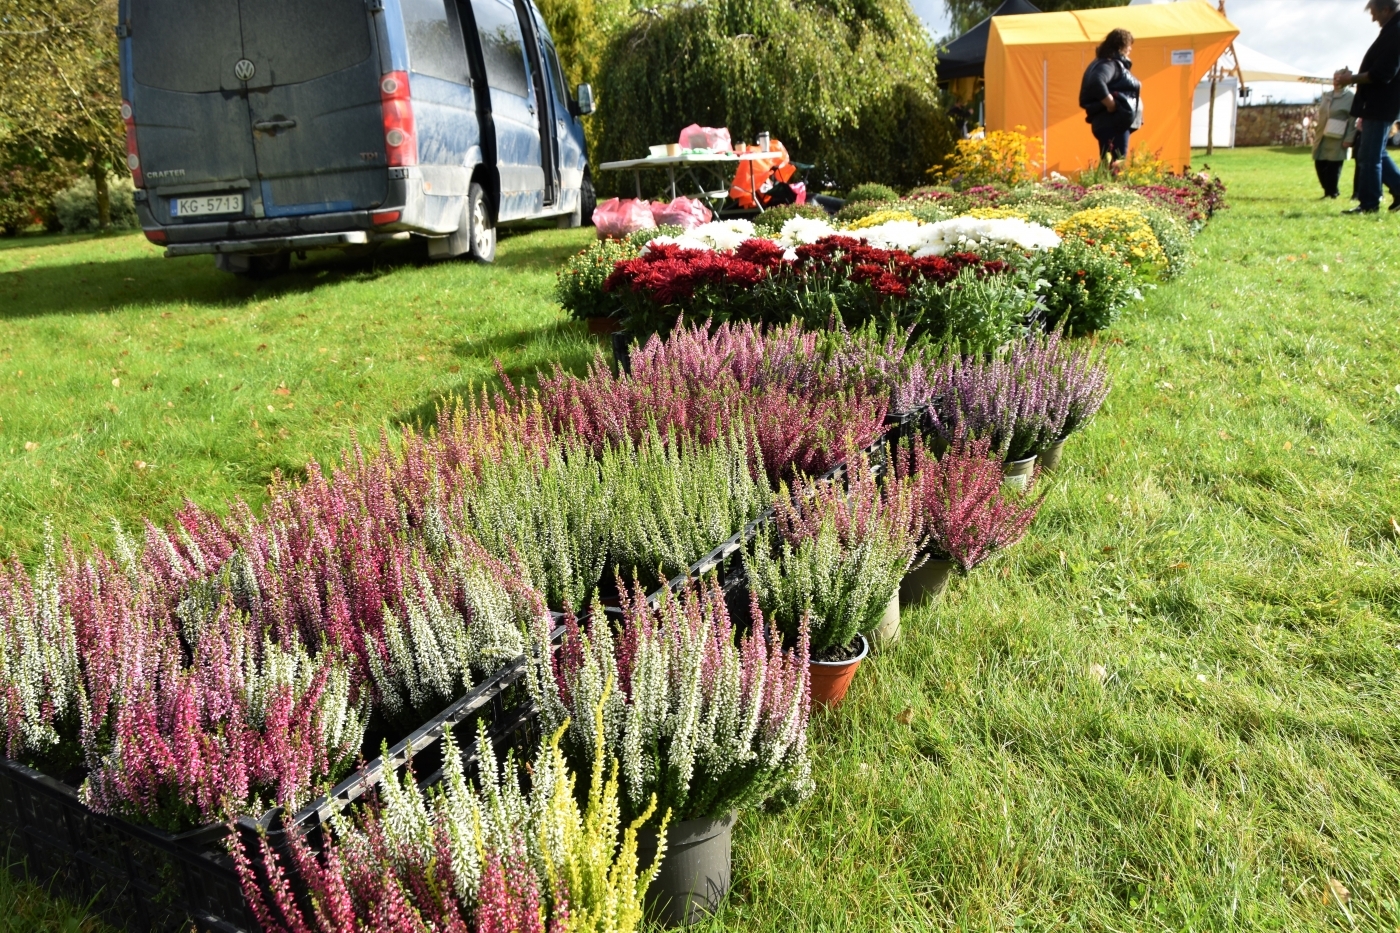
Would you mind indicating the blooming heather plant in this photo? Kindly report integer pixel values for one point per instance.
(551, 515)
(836, 559)
(959, 503)
(674, 502)
(494, 860)
(701, 721)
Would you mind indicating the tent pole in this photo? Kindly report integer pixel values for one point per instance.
(1210, 113)
(1045, 118)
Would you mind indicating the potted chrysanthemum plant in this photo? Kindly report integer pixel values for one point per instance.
(832, 562)
(704, 721)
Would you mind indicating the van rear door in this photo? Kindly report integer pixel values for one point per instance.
(274, 98)
(519, 160)
(191, 119)
(314, 105)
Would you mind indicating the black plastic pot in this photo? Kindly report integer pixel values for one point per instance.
(927, 583)
(622, 352)
(694, 874)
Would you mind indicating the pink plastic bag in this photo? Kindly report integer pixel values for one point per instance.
(696, 136)
(615, 218)
(799, 189)
(683, 212)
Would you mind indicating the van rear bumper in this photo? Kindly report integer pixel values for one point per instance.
(273, 244)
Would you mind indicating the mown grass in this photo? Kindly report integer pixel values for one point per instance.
(1174, 706)
(129, 381)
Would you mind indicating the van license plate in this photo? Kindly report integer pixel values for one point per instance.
(206, 204)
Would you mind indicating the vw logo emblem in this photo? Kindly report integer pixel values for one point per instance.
(243, 69)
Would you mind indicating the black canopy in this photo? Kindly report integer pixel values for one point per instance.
(965, 55)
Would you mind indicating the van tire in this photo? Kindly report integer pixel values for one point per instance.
(481, 228)
(587, 200)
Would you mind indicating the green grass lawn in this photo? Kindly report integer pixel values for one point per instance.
(1174, 706)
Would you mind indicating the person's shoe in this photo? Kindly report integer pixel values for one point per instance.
(1362, 210)
(1395, 205)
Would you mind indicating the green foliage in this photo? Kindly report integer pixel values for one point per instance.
(1173, 235)
(672, 501)
(771, 221)
(872, 191)
(27, 193)
(76, 205)
(975, 311)
(847, 86)
(964, 14)
(1087, 288)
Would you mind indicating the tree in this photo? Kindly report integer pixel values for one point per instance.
(845, 84)
(59, 80)
(964, 14)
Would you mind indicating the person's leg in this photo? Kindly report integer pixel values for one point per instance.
(1328, 173)
(1120, 144)
(1390, 175)
(1370, 144)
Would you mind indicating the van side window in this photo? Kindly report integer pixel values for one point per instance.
(435, 39)
(502, 47)
(561, 93)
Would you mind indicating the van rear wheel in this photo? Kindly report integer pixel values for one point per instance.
(481, 229)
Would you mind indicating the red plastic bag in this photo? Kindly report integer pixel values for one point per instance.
(616, 218)
(683, 212)
(696, 136)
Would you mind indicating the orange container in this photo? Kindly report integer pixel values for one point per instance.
(831, 679)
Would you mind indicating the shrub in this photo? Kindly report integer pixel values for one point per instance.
(27, 195)
(853, 211)
(995, 157)
(958, 501)
(458, 858)
(771, 221)
(1087, 288)
(872, 191)
(76, 205)
(701, 719)
(849, 88)
(672, 501)
(833, 561)
(1123, 234)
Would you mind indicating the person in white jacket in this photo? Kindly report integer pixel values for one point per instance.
(1335, 132)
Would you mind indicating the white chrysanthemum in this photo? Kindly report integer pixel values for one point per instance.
(800, 231)
(722, 235)
(970, 232)
(895, 234)
(685, 241)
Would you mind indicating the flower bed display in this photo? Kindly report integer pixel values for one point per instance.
(215, 670)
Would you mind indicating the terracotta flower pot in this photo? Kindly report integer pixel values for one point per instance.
(1049, 458)
(1018, 474)
(694, 875)
(888, 631)
(602, 326)
(927, 583)
(831, 679)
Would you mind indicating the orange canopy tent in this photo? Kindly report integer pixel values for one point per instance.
(1035, 63)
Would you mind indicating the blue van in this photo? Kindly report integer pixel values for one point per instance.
(260, 128)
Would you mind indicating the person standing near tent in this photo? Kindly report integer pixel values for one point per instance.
(1336, 133)
(1377, 104)
(1111, 96)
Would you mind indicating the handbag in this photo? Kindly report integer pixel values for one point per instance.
(1336, 128)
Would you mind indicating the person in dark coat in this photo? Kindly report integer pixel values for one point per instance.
(1377, 104)
(1111, 96)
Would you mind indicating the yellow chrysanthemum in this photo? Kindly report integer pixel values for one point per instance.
(879, 217)
(1119, 232)
(996, 213)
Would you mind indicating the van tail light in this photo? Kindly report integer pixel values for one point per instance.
(133, 158)
(385, 217)
(400, 138)
(156, 236)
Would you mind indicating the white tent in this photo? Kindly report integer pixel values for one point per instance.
(1256, 66)
(1226, 98)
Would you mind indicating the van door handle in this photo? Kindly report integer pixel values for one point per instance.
(274, 124)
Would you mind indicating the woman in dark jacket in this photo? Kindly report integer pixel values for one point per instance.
(1110, 95)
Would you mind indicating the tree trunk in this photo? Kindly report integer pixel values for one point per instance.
(1210, 117)
(104, 196)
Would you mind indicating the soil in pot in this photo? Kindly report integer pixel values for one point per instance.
(888, 631)
(832, 671)
(927, 583)
(1018, 474)
(694, 874)
(1049, 459)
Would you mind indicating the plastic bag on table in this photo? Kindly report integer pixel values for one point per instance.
(696, 136)
(683, 212)
(756, 176)
(616, 218)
